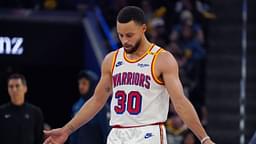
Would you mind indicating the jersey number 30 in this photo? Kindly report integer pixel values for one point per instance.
(131, 102)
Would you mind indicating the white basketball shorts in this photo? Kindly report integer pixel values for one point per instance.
(151, 134)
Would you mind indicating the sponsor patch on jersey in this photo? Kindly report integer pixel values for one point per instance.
(143, 65)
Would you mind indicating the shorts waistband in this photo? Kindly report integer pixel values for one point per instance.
(120, 126)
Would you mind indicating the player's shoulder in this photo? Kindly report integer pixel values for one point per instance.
(108, 60)
(165, 59)
(165, 55)
(112, 55)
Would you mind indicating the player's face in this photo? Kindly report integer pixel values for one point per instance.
(16, 89)
(130, 35)
(83, 85)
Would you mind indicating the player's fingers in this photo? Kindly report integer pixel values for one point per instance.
(53, 142)
(47, 132)
(50, 141)
(47, 141)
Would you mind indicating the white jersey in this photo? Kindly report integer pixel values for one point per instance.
(139, 97)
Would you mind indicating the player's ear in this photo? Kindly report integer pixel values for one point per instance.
(144, 27)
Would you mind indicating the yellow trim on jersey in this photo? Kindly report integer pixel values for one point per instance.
(114, 60)
(138, 59)
(153, 68)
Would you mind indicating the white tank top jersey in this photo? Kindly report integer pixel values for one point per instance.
(139, 97)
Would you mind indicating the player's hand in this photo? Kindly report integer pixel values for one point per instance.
(56, 136)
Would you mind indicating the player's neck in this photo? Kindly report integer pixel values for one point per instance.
(143, 48)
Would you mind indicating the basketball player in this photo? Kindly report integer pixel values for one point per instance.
(142, 77)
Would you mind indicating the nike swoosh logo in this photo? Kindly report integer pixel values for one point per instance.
(148, 135)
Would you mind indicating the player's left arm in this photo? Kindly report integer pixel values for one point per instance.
(167, 70)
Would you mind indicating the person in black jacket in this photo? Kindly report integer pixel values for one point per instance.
(20, 122)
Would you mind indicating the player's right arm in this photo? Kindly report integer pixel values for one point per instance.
(90, 108)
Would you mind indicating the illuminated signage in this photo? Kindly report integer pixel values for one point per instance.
(11, 46)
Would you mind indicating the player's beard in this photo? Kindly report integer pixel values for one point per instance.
(130, 48)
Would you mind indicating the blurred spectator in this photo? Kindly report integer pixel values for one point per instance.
(181, 5)
(20, 122)
(156, 24)
(158, 33)
(147, 8)
(189, 138)
(187, 20)
(199, 8)
(175, 127)
(177, 53)
(95, 131)
(186, 40)
(177, 131)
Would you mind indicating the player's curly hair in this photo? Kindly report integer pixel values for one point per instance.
(131, 13)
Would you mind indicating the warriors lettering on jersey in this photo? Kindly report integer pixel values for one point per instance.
(132, 78)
